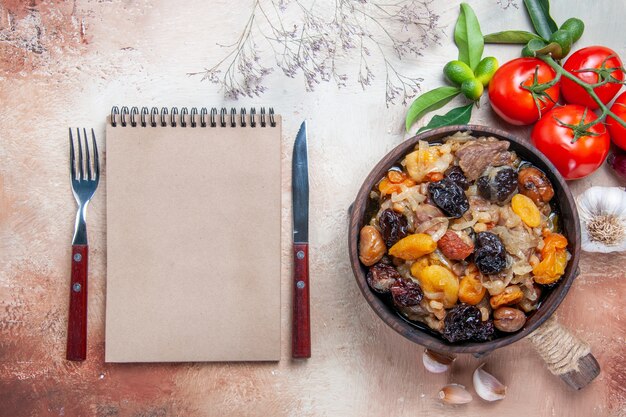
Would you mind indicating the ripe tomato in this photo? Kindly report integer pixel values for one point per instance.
(512, 101)
(597, 57)
(617, 131)
(574, 159)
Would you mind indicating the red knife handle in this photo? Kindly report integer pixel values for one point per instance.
(77, 320)
(301, 334)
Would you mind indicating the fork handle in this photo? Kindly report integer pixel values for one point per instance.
(77, 320)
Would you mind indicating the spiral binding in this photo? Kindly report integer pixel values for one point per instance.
(185, 117)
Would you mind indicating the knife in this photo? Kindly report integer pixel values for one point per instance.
(301, 330)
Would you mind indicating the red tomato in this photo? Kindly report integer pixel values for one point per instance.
(555, 140)
(617, 131)
(511, 100)
(591, 57)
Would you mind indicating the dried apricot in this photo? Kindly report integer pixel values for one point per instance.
(413, 246)
(554, 259)
(553, 242)
(551, 268)
(527, 210)
(395, 176)
(388, 187)
(471, 290)
(438, 279)
(511, 295)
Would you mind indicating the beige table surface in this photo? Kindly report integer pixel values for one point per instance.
(66, 64)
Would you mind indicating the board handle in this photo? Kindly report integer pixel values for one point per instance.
(566, 355)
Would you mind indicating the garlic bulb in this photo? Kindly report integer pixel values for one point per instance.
(602, 212)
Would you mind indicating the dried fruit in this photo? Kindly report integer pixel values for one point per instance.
(381, 277)
(551, 268)
(464, 322)
(489, 253)
(471, 290)
(553, 242)
(554, 259)
(371, 246)
(393, 226)
(413, 246)
(406, 293)
(436, 362)
(507, 319)
(487, 386)
(511, 295)
(498, 184)
(449, 197)
(527, 210)
(455, 245)
(396, 176)
(456, 175)
(439, 283)
(387, 186)
(455, 394)
(535, 185)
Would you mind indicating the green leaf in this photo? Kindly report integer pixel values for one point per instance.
(457, 116)
(468, 37)
(539, 13)
(429, 101)
(511, 36)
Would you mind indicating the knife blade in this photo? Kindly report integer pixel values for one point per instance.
(301, 326)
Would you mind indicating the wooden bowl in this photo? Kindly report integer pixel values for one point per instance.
(420, 334)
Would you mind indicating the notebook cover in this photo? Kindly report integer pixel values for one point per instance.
(193, 243)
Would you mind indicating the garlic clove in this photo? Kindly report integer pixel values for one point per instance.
(487, 386)
(455, 394)
(436, 362)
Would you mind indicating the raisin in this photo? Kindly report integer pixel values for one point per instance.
(498, 184)
(464, 322)
(393, 226)
(489, 253)
(406, 293)
(456, 175)
(449, 197)
(381, 277)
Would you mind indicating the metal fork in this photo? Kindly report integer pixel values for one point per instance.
(84, 183)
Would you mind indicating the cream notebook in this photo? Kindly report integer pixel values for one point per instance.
(193, 235)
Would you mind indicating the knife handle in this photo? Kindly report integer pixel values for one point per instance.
(301, 334)
(77, 320)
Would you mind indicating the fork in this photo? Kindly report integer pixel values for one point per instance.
(84, 183)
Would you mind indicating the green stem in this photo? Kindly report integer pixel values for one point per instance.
(587, 87)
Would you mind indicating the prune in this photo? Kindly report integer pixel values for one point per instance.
(498, 184)
(406, 293)
(464, 322)
(381, 277)
(456, 175)
(393, 226)
(449, 197)
(489, 253)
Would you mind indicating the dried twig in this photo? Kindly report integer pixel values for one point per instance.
(319, 40)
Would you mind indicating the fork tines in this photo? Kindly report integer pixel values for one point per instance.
(86, 167)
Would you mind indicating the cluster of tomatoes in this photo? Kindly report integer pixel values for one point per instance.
(527, 90)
